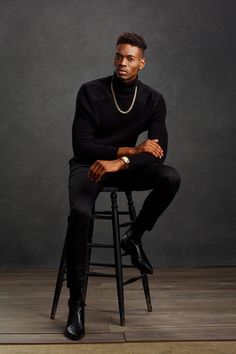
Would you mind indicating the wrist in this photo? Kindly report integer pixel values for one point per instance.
(126, 151)
(125, 160)
(120, 164)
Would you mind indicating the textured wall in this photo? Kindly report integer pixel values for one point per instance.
(48, 49)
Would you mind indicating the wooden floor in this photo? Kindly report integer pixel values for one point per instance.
(188, 305)
(226, 347)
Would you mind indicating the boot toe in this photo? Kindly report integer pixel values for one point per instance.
(75, 324)
(74, 334)
(142, 265)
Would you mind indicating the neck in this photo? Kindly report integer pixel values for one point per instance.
(122, 86)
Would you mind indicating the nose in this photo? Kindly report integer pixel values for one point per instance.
(122, 62)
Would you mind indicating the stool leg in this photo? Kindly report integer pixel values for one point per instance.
(132, 212)
(59, 282)
(147, 292)
(118, 259)
(90, 238)
(132, 215)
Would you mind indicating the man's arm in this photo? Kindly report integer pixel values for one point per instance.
(153, 150)
(149, 146)
(100, 167)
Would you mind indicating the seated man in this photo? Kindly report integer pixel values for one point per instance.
(111, 113)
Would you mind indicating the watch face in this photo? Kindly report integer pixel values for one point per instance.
(125, 159)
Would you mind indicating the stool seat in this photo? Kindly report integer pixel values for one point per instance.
(113, 215)
(114, 189)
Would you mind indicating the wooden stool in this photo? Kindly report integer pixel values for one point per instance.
(113, 215)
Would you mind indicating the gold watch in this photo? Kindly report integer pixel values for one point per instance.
(126, 161)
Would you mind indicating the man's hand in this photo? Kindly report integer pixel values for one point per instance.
(150, 146)
(100, 167)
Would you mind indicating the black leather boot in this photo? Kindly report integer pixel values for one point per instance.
(75, 324)
(135, 249)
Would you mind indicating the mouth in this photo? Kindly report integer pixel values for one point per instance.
(121, 72)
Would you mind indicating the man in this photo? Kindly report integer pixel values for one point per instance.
(110, 114)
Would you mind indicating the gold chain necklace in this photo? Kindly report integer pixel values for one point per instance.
(116, 103)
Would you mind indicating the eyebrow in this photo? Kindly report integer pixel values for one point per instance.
(128, 55)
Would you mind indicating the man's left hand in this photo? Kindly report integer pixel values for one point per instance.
(100, 167)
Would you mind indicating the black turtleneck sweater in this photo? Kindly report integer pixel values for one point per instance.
(99, 129)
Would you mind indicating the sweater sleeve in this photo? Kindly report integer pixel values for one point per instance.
(83, 141)
(156, 130)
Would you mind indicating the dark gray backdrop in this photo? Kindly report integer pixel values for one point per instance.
(48, 49)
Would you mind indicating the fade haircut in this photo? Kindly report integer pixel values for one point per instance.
(132, 39)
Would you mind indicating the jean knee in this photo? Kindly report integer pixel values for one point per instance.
(81, 211)
(172, 177)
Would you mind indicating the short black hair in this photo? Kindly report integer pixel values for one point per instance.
(132, 39)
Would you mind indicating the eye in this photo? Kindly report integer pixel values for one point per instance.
(130, 59)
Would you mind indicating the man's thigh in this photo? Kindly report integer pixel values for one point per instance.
(82, 191)
(138, 179)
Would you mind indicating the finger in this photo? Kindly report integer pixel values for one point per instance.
(96, 175)
(158, 149)
(99, 171)
(159, 155)
(100, 176)
(152, 151)
(153, 147)
(156, 153)
(93, 170)
(155, 143)
(96, 167)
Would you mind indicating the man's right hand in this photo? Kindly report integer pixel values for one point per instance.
(150, 146)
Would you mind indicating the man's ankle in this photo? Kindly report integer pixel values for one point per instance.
(76, 295)
(135, 234)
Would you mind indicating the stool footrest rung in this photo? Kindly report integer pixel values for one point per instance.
(100, 245)
(110, 265)
(124, 224)
(102, 217)
(108, 212)
(132, 280)
(100, 274)
(102, 264)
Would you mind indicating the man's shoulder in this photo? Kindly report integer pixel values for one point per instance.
(99, 83)
(149, 91)
(95, 90)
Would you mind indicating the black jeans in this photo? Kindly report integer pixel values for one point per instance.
(163, 180)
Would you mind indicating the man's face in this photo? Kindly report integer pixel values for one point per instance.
(128, 61)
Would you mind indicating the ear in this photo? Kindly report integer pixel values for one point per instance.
(142, 63)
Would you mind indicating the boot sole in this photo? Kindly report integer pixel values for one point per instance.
(72, 337)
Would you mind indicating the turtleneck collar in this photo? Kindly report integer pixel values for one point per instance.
(124, 87)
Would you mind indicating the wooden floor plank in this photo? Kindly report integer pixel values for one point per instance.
(188, 304)
(125, 348)
(50, 338)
